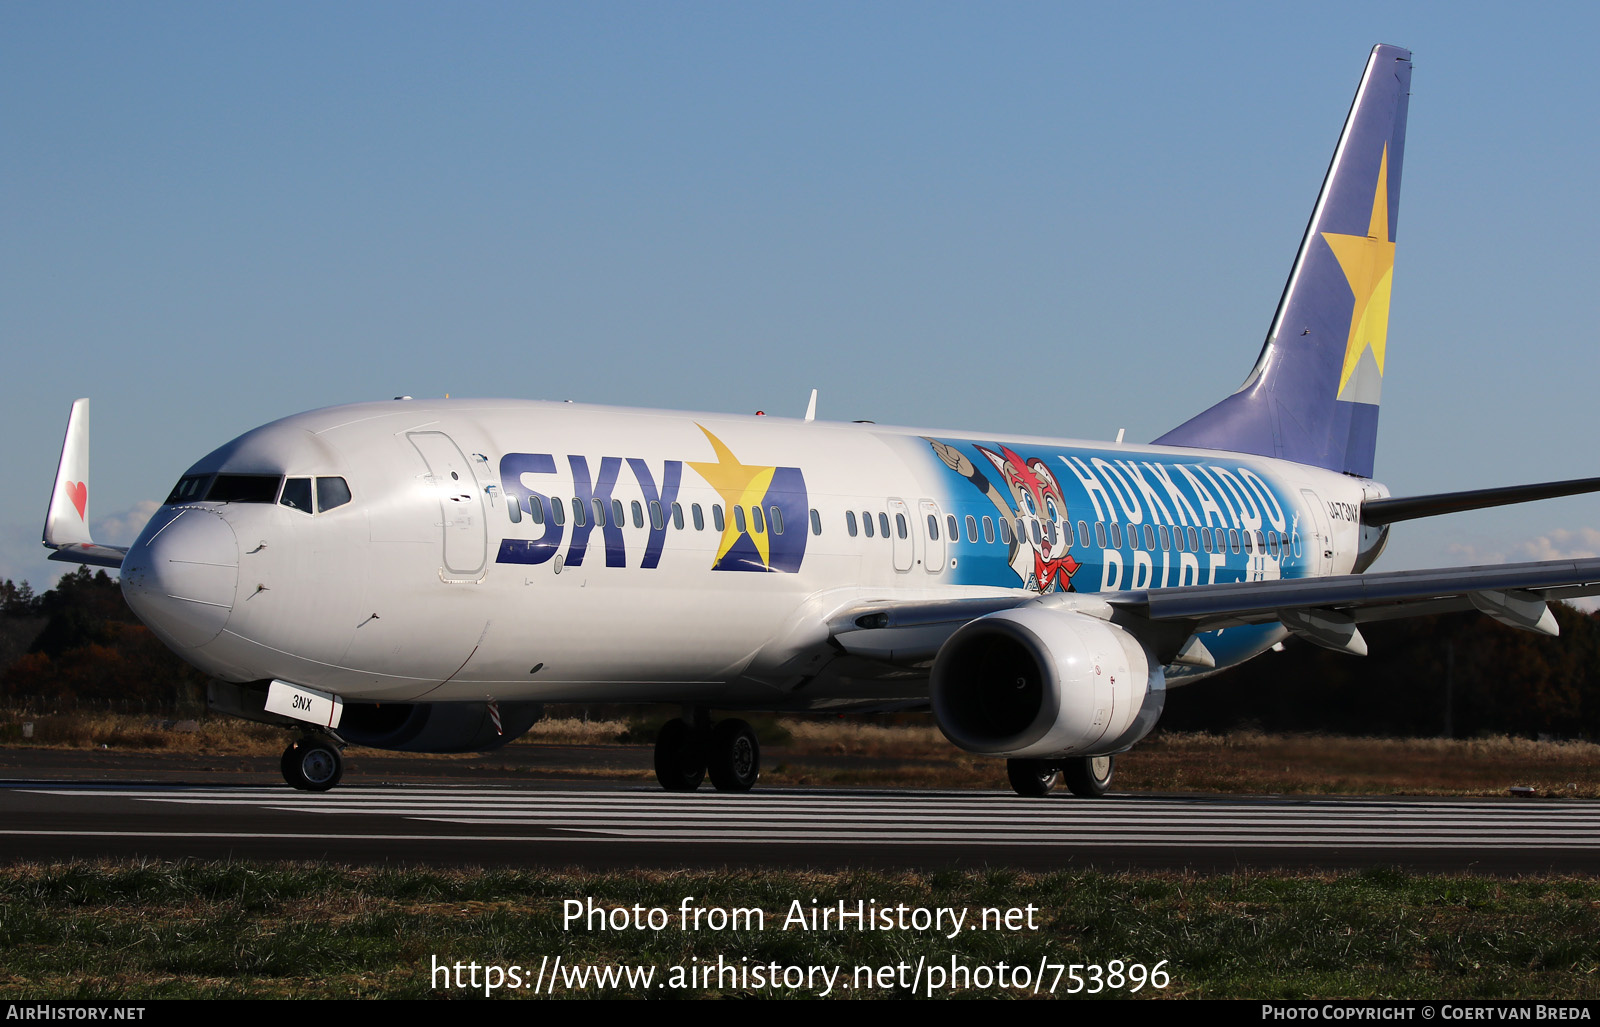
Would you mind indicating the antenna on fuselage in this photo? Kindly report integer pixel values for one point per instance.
(811, 407)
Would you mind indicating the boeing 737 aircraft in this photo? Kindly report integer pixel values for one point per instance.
(422, 575)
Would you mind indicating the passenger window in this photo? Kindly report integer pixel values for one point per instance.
(988, 530)
(1149, 538)
(331, 492)
(756, 520)
(1222, 540)
(579, 517)
(558, 511)
(677, 516)
(1166, 538)
(850, 523)
(1083, 533)
(1194, 540)
(1005, 530)
(883, 525)
(599, 513)
(657, 519)
(1205, 539)
(816, 522)
(536, 508)
(717, 520)
(933, 528)
(513, 510)
(775, 520)
(866, 523)
(955, 528)
(1247, 544)
(738, 519)
(1272, 543)
(297, 495)
(638, 514)
(617, 516)
(1133, 536)
(1100, 534)
(1261, 543)
(1233, 539)
(698, 516)
(1050, 533)
(900, 524)
(972, 528)
(1116, 534)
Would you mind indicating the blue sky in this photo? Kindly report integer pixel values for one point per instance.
(1047, 218)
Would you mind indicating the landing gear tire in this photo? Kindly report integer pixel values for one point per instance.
(1090, 776)
(312, 765)
(1033, 778)
(680, 757)
(734, 758)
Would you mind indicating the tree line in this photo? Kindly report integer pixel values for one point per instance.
(1460, 674)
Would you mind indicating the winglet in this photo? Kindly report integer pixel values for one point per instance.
(66, 525)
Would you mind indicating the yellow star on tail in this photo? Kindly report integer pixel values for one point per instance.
(1368, 265)
(739, 485)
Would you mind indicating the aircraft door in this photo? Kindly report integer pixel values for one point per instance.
(900, 532)
(928, 520)
(1316, 535)
(461, 515)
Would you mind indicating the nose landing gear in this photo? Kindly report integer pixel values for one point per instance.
(312, 765)
(688, 750)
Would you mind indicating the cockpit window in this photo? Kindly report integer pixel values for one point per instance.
(331, 492)
(243, 488)
(297, 494)
(189, 489)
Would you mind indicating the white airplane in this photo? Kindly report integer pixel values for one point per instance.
(422, 575)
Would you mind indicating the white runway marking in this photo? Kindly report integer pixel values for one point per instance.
(921, 819)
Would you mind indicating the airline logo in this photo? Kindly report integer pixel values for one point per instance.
(1368, 265)
(764, 527)
(763, 509)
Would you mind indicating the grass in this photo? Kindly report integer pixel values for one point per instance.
(910, 752)
(210, 930)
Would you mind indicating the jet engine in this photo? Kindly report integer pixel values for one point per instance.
(1038, 683)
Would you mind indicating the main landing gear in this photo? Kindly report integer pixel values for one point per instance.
(1088, 777)
(312, 765)
(688, 750)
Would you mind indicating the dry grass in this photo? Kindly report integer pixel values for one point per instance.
(206, 736)
(910, 752)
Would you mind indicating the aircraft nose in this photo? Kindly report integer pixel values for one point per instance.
(180, 577)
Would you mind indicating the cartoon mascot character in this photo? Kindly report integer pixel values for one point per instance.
(1031, 495)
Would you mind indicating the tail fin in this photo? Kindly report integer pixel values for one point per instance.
(1312, 396)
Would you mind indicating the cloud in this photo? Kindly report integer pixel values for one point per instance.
(122, 527)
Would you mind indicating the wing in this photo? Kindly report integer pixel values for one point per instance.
(1326, 611)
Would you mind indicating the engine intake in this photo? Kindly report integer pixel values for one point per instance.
(1037, 683)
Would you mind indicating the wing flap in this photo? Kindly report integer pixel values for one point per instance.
(1378, 596)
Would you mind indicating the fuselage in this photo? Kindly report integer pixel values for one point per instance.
(463, 550)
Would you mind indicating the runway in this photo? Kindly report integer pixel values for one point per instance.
(628, 827)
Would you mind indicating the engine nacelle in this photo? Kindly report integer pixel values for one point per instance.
(435, 727)
(1038, 683)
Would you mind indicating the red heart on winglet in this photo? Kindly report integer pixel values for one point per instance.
(78, 492)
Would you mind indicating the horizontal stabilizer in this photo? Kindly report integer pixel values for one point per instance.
(1387, 511)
